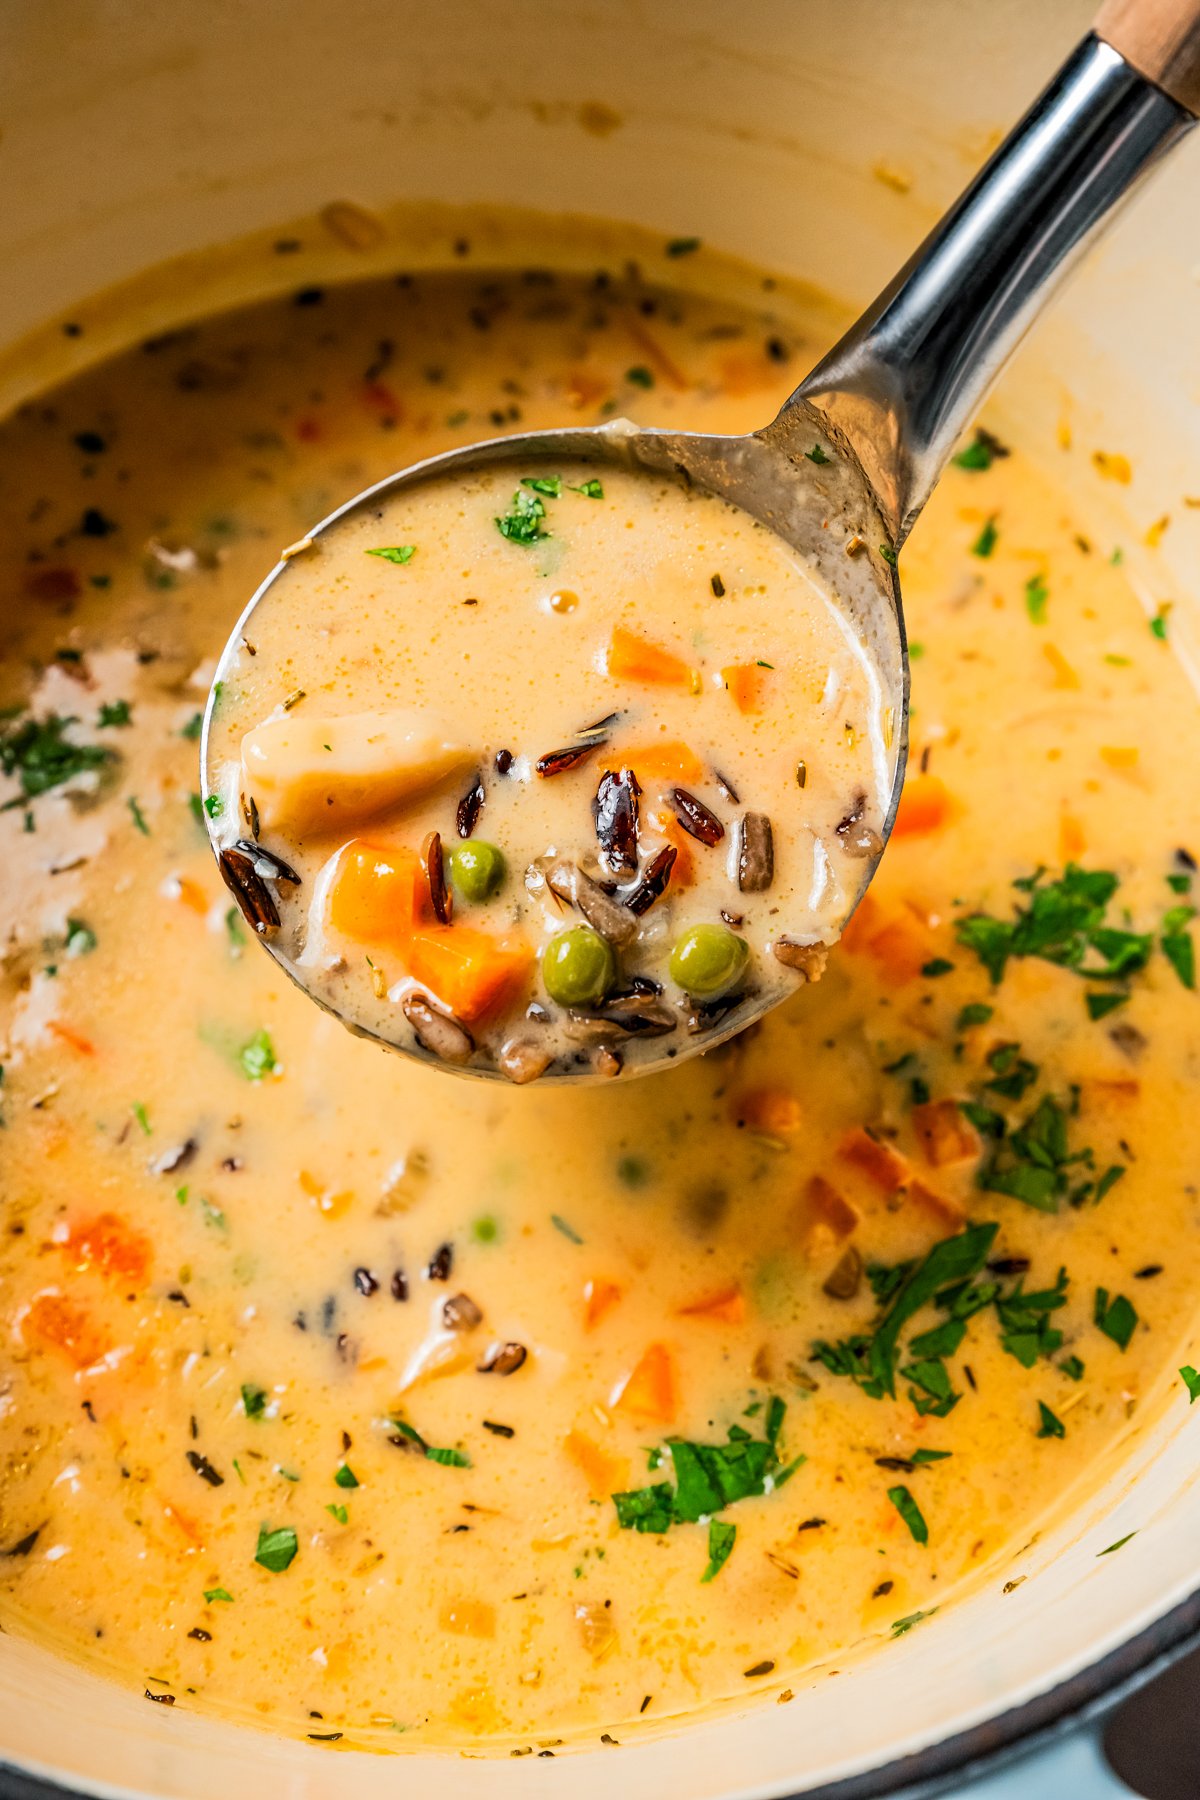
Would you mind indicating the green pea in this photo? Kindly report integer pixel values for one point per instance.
(578, 967)
(707, 960)
(476, 869)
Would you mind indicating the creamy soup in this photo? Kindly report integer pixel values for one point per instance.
(361, 1403)
(542, 776)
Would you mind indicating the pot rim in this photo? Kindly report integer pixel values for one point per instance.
(1009, 1737)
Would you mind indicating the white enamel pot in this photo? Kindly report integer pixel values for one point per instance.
(134, 131)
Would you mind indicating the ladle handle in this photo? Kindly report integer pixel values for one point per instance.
(1161, 40)
(904, 381)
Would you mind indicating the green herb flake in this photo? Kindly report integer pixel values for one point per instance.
(568, 1231)
(550, 485)
(193, 728)
(980, 453)
(816, 455)
(1037, 598)
(345, 1477)
(888, 555)
(138, 816)
(237, 936)
(453, 1459)
(286, 1474)
(721, 1539)
(395, 553)
(522, 523)
(682, 246)
(257, 1058)
(976, 1012)
(214, 806)
(339, 1513)
(143, 1118)
(1116, 1318)
(640, 376)
(484, 1229)
(254, 1400)
(1099, 1004)
(900, 1626)
(1063, 923)
(591, 490)
(937, 965)
(1158, 624)
(1072, 1368)
(41, 756)
(910, 1512)
(1180, 951)
(1179, 883)
(81, 939)
(276, 1549)
(1051, 1426)
(985, 543)
(1191, 1381)
(218, 1593)
(114, 713)
(1119, 1545)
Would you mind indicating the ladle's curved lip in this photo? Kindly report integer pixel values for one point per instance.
(758, 473)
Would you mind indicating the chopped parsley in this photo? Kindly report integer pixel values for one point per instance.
(1072, 1368)
(976, 1012)
(257, 1058)
(81, 939)
(276, 1549)
(1063, 923)
(1119, 1545)
(143, 1118)
(980, 453)
(1158, 624)
(591, 490)
(339, 1513)
(640, 376)
(708, 1478)
(42, 757)
(550, 485)
(900, 1626)
(218, 1593)
(568, 1231)
(345, 1477)
(985, 543)
(115, 712)
(214, 806)
(522, 523)
(454, 1459)
(138, 816)
(1116, 1318)
(237, 936)
(937, 965)
(1051, 1426)
(193, 728)
(395, 553)
(254, 1400)
(888, 555)
(682, 246)
(910, 1512)
(816, 454)
(1191, 1381)
(1099, 1004)
(1037, 598)
(721, 1539)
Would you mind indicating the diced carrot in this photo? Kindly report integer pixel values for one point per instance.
(76, 1039)
(877, 1161)
(901, 948)
(583, 388)
(831, 1207)
(775, 1111)
(599, 1298)
(603, 1473)
(649, 1390)
(727, 1305)
(54, 1320)
(745, 682)
(632, 658)
(941, 1205)
(1064, 675)
(683, 869)
(113, 1247)
(469, 1618)
(469, 971)
(1072, 843)
(190, 893)
(925, 805)
(946, 1136)
(663, 762)
(379, 894)
(864, 921)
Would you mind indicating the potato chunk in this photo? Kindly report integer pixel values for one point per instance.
(312, 774)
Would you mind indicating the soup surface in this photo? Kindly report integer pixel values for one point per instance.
(651, 831)
(349, 1399)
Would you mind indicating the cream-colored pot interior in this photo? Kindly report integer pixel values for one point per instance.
(134, 131)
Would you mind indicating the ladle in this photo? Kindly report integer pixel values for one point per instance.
(888, 402)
